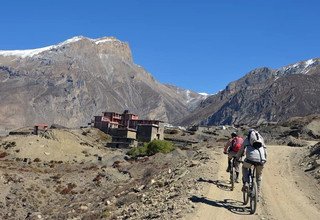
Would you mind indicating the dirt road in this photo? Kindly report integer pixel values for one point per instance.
(287, 193)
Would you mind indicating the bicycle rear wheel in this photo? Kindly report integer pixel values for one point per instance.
(253, 198)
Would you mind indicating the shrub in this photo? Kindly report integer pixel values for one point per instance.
(171, 131)
(138, 151)
(156, 146)
(151, 148)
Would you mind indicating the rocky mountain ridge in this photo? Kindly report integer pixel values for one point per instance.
(70, 82)
(263, 95)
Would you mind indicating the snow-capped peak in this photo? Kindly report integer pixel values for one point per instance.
(203, 94)
(300, 67)
(24, 53)
(309, 63)
(72, 40)
(105, 39)
(33, 52)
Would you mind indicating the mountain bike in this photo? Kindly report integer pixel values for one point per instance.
(252, 192)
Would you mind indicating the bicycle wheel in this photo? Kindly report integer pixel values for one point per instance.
(253, 198)
(245, 196)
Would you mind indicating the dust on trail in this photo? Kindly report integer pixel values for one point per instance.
(284, 192)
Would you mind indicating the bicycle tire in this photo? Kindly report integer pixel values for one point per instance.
(245, 196)
(253, 198)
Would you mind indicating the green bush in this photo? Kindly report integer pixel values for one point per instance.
(138, 151)
(157, 146)
(151, 148)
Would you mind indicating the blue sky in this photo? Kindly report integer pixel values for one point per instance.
(200, 45)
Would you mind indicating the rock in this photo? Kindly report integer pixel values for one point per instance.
(194, 163)
(84, 208)
(294, 142)
(37, 160)
(317, 163)
(34, 216)
(139, 188)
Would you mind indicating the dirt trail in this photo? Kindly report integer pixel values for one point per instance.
(285, 194)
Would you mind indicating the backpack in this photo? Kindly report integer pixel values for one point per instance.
(236, 144)
(255, 139)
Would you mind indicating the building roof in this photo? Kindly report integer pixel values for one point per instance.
(41, 125)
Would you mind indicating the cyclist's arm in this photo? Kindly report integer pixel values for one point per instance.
(226, 147)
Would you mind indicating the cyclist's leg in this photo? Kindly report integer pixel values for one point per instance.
(229, 161)
(236, 167)
(245, 174)
(259, 170)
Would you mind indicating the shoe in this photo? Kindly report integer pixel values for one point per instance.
(237, 180)
(244, 188)
(228, 170)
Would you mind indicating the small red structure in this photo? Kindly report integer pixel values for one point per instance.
(125, 128)
(110, 120)
(39, 127)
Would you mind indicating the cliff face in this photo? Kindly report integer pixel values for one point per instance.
(71, 82)
(263, 95)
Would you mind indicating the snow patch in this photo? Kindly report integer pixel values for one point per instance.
(303, 66)
(24, 53)
(295, 65)
(203, 94)
(33, 52)
(104, 40)
(188, 96)
(309, 63)
(71, 40)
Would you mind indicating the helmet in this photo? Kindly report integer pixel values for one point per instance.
(234, 134)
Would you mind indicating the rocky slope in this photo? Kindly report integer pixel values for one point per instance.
(62, 177)
(71, 82)
(263, 95)
(70, 174)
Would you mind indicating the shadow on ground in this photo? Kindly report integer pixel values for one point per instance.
(229, 204)
(221, 184)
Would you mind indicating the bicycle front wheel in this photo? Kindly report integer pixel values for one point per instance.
(253, 198)
(245, 196)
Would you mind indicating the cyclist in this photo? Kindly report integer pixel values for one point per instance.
(231, 148)
(256, 155)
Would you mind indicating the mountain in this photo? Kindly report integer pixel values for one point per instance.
(263, 95)
(70, 82)
(190, 99)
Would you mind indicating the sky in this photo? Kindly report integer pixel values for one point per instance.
(200, 45)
